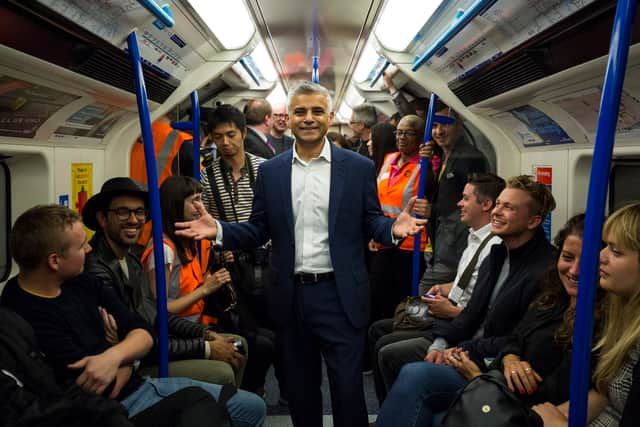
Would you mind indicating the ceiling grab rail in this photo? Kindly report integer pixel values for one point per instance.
(248, 69)
(425, 165)
(154, 203)
(194, 127)
(461, 21)
(162, 13)
(380, 73)
(599, 179)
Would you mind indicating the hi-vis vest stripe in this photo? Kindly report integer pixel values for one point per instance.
(394, 198)
(184, 279)
(161, 160)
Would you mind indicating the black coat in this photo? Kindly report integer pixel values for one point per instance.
(526, 265)
(533, 340)
(186, 338)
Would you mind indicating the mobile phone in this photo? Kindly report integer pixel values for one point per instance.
(430, 296)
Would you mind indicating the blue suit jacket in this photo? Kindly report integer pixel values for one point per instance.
(354, 218)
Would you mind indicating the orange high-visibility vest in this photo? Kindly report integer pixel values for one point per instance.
(166, 145)
(393, 198)
(184, 278)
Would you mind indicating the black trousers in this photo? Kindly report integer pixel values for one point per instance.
(321, 330)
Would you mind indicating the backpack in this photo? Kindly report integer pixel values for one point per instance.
(29, 395)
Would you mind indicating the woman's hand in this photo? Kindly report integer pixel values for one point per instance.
(463, 364)
(519, 374)
(551, 415)
(214, 281)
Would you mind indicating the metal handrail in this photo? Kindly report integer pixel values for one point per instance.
(154, 204)
(425, 165)
(162, 13)
(460, 22)
(598, 182)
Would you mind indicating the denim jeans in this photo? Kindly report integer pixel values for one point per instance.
(420, 395)
(246, 409)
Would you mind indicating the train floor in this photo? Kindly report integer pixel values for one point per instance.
(278, 415)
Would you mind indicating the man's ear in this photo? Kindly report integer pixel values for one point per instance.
(487, 205)
(534, 221)
(53, 262)
(101, 218)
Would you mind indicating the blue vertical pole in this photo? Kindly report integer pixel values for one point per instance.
(195, 120)
(589, 264)
(154, 203)
(425, 165)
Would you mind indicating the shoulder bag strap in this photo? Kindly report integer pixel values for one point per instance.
(466, 274)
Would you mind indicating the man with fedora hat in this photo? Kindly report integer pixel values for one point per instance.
(117, 213)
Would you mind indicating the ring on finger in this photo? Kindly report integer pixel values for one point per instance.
(527, 370)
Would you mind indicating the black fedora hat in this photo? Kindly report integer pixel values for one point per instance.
(99, 202)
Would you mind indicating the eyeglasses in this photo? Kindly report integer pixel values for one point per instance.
(409, 133)
(123, 213)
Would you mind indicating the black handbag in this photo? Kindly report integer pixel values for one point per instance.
(487, 401)
(412, 314)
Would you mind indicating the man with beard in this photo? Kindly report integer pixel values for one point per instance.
(117, 213)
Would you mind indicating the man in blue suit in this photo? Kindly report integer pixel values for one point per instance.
(318, 205)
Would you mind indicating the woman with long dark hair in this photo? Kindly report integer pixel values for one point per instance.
(187, 285)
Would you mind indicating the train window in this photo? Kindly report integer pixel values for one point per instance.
(5, 222)
(622, 174)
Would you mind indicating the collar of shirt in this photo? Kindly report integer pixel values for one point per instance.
(481, 233)
(395, 169)
(325, 153)
(260, 134)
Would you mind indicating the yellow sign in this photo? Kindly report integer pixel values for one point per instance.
(81, 185)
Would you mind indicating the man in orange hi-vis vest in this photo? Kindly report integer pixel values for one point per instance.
(174, 156)
(398, 180)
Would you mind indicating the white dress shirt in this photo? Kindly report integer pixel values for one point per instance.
(474, 240)
(310, 184)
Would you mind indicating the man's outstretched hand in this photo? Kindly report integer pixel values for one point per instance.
(406, 225)
(205, 227)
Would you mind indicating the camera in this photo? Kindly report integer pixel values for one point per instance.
(237, 344)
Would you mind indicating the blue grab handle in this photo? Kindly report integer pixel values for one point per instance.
(162, 13)
(380, 73)
(598, 182)
(249, 70)
(425, 165)
(154, 204)
(195, 122)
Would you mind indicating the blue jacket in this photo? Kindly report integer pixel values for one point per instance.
(354, 218)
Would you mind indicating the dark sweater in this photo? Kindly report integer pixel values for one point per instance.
(526, 265)
(69, 327)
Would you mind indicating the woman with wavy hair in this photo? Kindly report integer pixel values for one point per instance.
(617, 374)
